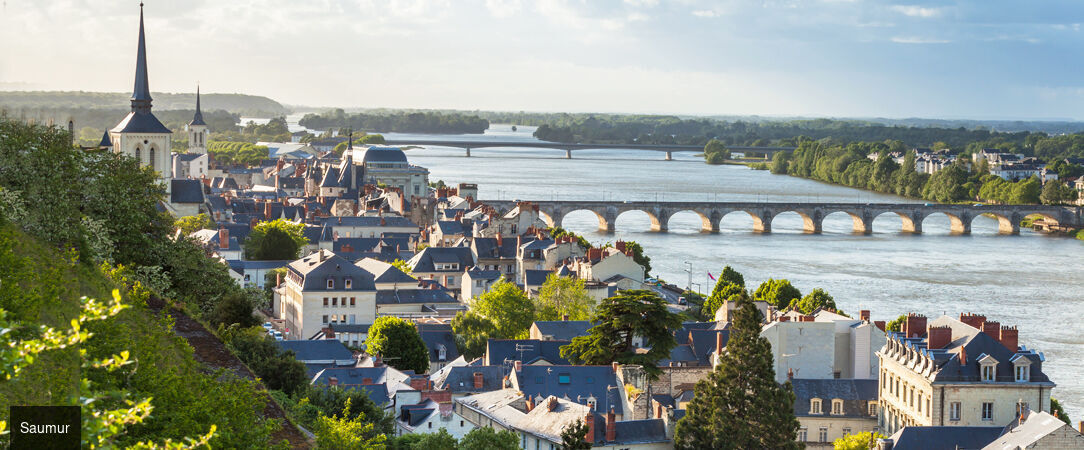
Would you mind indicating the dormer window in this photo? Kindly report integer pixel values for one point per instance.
(1022, 371)
(348, 283)
(330, 283)
(442, 353)
(988, 372)
(815, 406)
(988, 368)
(837, 407)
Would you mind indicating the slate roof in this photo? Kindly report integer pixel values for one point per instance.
(533, 277)
(1035, 426)
(499, 350)
(703, 343)
(352, 377)
(350, 327)
(413, 296)
(479, 274)
(424, 261)
(563, 330)
(460, 380)
(197, 119)
(486, 247)
(581, 382)
(944, 438)
(370, 221)
(415, 415)
(323, 265)
(640, 431)
(855, 393)
(318, 350)
(187, 156)
(435, 337)
(381, 154)
(450, 227)
(140, 122)
(105, 142)
(186, 191)
(384, 272)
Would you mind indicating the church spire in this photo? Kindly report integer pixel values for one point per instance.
(198, 118)
(141, 93)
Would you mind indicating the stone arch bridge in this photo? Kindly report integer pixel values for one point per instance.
(813, 214)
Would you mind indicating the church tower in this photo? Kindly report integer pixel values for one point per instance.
(197, 131)
(140, 135)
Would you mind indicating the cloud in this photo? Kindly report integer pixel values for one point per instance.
(917, 11)
(706, 13)
(502, 9)
(918, 40)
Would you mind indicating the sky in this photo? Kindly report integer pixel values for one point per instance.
(983, 59)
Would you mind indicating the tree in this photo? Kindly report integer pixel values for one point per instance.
(563, 296)
(486, 438)
(275, 240)
(472, 332)
(1026, 192)
(715, 152)
(234, 308)
(346, 434)
(272, 276)
(508, 307)
(739, 405)
(729, 276)
(1058, 411)
(633, 313)
(779, 163)
(813, 300)
(191, 224)
(403, 266)
(441, 440)
(861, 441)
(399, 343)
(1055, 192)
(720, 295)
(277, 368)
(778, 293)
(574, 436)
(897, 323)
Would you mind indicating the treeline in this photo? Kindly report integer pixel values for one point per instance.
(399, 122)
(249, 105)
(90, 123)
(275, 130)
(244, 153)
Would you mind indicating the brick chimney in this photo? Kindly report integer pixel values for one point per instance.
(790, 374)
(366, 381)
(611, 426)
(808, 318)
(518, 365)
(1010, 338)
(479, 380)
(718, 343)
(615, 366)
(500, 240)
(991, 328)
(975, 320)
(864, 315)
(590, 419)
(620, 246)
(880, 324)
(332, 381)
(915, 326)
(530, 403)
(1080, 426)
(419, 384)
(784, 318)
(551, 403)
(938, 337)
(267, 210)
(223, 238)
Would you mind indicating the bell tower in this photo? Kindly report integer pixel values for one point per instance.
(197, 131)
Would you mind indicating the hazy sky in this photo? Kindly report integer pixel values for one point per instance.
(977, 59)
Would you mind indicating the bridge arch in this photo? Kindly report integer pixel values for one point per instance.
(910, 221)
(707, 224)
(762, 220)
(811, 219)
(959, 222)
(657, 223)
(605, 221)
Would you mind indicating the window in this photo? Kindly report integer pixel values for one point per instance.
(802, 435)
(564, 378)
(152, 158)
(348, 283)
(822, 435)
(837, 407)
(988, 372)
(911, 397)
(334, 301)
(325, 302)
(247, 277)
(873, 408)
(919, 404)
(846, 431)
(430, 424)
(330, 283)
(460, 423)
(1023, 373)
(988, 411)
(324, 321)
(954, 411)
(351, 301)
(451, 280)
(815, 406)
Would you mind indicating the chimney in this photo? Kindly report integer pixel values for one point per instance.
(915, 326)
(991, 328)
(518, 365)
(252, 223)
(880, 324)
(611, 426)
(938, 337)
(378, 361)
(267, 210)
(1010, 338)
(590, 419)
(963, 355)
(790, 374)
(278, 279)
(864, 315)
(718, 343)
(366, 381)
(419, 384)
(223, 238)
(530, 403)
(551, 403)
(975, 320)
(479, 380)
(884, 444)
(519, 241)
(383, 221)
(332, 381)
(615, 366)
(808, 318)
(500, 240)
(784, 318)
(620, 246)
(1080, 426)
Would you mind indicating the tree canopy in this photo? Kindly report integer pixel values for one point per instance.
(618, 319)
(563, 296)
(508, 307)
(739, 405)
(398, 343)
(778, 293)
(278, 239)
(486, 438)
(574, 436)
(818, 298)
(862, 441)
(472, 331)
(192, 224)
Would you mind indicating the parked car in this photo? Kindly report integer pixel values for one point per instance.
(682, 301)
(278, 335)
(267, 326)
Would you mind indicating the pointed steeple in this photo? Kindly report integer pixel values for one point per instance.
(198, 118)
(141, 93)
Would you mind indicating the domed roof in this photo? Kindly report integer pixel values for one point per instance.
(377, 154)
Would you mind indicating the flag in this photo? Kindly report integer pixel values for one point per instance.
(711, 276)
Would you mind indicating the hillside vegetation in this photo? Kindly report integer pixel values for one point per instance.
(234, 103)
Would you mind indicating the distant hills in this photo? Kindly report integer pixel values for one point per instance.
(243, 104)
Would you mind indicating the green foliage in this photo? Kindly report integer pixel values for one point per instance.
(638, 255)
(192, 224)
(399, 343)
(558, 232)
(618, 319)
(563, 296)
(270, 276)
(730, 276)
(778, 293)
(278, 239)
(277, 368)
(471, 333)
(861, 441)
(720, 295)
(739, 405)
(363, 139)
(574, 437)
(896, 324)
(486, 438)
(241, 152)
(715, 152)
(813, 300)
(780, 161)
(397, 122)
(343, 433)
(1058, 411)
(309, 403)
(234, 308)
(402, 266)
(198, 282)
(1055, 192)
(508, 307)
(440, 440)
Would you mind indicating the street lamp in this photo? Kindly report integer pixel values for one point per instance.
(689, 270)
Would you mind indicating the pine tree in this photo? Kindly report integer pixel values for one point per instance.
(739, 405)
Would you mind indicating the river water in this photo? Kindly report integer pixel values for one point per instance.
(1033, 281)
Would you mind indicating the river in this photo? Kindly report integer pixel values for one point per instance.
(1033, 281)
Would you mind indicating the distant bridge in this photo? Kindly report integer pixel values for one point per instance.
(813, 214)
(669, 149)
